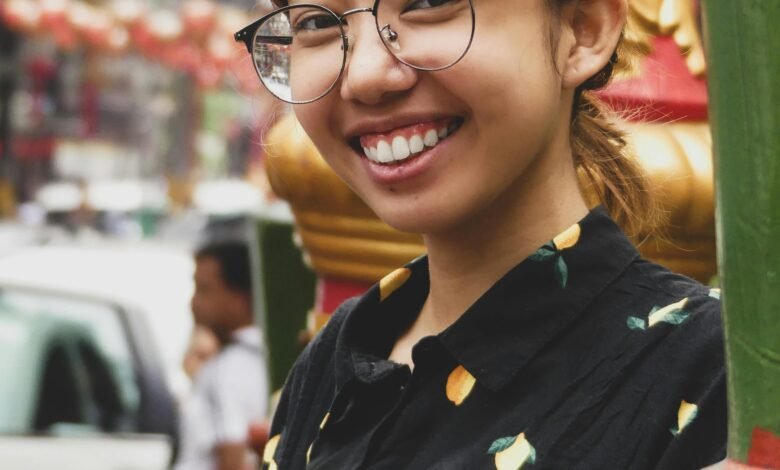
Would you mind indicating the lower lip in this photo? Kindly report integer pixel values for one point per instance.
(405, 170)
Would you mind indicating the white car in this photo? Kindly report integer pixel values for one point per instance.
(91, 341)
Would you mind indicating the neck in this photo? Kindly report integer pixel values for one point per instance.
(465, 262)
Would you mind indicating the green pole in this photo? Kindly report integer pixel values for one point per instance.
(743, 43)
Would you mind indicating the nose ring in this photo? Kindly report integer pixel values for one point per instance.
(390, 36)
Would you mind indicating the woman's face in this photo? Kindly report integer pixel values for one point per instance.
(502, 105)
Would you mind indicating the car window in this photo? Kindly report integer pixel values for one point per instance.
(60, 399)
(98, 357)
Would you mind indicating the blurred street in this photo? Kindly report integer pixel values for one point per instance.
(131, 131)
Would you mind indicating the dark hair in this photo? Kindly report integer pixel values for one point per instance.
(234, 263)
(608, 173)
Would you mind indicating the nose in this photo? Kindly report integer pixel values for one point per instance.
(372, 74)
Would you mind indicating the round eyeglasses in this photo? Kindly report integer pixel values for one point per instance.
(299, 51)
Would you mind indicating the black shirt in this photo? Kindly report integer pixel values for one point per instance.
(583, 356)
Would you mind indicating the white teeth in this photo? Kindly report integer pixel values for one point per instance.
(400, 148)
(383, 152)
(431, 138)
(416, 144)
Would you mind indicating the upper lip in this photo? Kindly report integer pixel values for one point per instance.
(378, 125)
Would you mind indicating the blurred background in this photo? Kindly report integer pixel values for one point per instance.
(130, 131)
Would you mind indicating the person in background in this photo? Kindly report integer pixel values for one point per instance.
(230, 392)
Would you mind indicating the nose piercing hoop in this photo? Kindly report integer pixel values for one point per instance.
(390, 36)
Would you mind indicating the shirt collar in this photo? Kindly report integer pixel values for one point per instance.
(508, 325)
(248, 335)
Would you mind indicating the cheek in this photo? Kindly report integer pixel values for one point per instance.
(315, 119)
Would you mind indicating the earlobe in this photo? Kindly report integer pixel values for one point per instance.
(595, 27)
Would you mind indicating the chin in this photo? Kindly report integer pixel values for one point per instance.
(417, 220)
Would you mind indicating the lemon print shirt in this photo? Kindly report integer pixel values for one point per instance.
(583, 356)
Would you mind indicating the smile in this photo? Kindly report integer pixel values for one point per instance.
(400, 144)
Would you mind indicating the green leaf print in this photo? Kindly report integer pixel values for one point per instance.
(501, 443)
(675, 317)
(542, 254)
(561, 272)
(635, 323)
(532, 456)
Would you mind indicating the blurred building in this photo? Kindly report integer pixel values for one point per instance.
(150, 94)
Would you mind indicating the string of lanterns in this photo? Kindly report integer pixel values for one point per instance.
(196, 38)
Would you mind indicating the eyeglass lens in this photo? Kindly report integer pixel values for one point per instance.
(299, 52)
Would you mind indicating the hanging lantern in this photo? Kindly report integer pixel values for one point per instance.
(127, 12)
(97, 31)
(164, 26)
(64, 36)
(198, 17)
(24, 15)
(53, 13)
(79, 15)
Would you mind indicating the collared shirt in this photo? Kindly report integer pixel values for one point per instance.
(583, 356)
(229, 393)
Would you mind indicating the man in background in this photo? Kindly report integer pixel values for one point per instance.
(230, 392)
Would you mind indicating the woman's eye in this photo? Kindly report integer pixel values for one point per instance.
(424, 4)
(316, 23)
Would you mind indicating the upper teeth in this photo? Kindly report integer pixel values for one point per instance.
(400, 148)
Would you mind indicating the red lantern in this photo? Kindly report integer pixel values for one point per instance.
(164, 25)
(198, 17)
(97, 30)
(128, 12)
(24, 15)
(53, 13)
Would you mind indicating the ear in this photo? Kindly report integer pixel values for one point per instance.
(593, 29)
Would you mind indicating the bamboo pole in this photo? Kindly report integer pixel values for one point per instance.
(743, 41)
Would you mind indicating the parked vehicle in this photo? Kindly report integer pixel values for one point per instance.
(80, 368)
(84, 384)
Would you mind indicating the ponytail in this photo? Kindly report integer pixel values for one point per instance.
(608, 174)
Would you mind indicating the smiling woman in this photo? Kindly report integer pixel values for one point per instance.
(532, 334)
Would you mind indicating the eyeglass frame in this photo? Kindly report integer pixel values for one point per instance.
(247, 34)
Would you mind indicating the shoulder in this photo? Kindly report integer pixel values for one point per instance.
(316, 363)
(323, 345)
(308, 391)
(658, 296)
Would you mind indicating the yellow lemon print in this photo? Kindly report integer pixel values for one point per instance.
(512, 452)
(311, 446)
(662, 313)
(568, 238)
(459, 385)
(270, 450)
(393, 281)
(715, 293)
(685, 416)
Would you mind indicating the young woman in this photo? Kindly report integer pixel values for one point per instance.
(532, 335)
